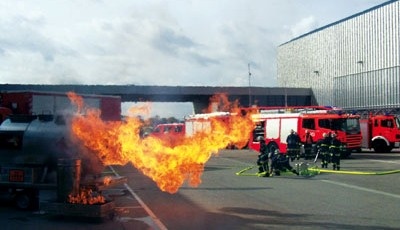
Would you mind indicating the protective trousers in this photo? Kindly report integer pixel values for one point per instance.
(335, 158)
(263, 167)
(307, 152)
(325, 158)
(293, 153)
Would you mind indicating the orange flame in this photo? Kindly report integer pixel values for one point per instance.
(86, 196)
(119, 143)
(107, 180)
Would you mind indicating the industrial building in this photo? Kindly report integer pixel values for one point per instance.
(353, 63)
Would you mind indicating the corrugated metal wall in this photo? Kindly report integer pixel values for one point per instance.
(354, 63)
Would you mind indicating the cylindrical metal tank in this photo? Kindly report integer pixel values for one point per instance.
(34, 141)
(40, 141)
(68, 178)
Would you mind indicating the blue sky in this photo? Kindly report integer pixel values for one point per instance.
(155, 42)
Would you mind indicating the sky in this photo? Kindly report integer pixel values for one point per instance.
(156, 42)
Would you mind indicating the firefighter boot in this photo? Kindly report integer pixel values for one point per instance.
(295, 172)
(334, 166)
(338, 168)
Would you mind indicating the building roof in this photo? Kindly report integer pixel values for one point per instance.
(342, 20)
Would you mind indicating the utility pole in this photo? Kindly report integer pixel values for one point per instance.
(249, 86)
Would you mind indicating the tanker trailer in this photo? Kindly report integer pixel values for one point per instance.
(29, 148)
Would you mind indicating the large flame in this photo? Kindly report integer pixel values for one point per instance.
(119, 143)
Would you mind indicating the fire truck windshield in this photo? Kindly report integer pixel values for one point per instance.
(396, 119)
(348, 125)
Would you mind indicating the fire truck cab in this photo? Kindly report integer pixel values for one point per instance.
(381, 132)
(274, 125)
(172, 133)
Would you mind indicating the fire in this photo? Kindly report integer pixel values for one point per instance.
(119, 143)
(86, 196)
(107, 180)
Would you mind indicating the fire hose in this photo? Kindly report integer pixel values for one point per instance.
(314, 170)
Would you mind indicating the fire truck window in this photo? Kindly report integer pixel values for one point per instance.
(396, 120)
(178, 129)
(157, 130)
(376, 124)
(167, 129)
(324, 123)
(387, 123)
(309, 124)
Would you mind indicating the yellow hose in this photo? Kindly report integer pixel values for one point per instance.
(241, 172)
(353, 172)
(317, 170)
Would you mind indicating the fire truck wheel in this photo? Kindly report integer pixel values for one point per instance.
(380, 146)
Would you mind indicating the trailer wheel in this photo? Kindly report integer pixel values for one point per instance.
(22, 201)
(27, 199)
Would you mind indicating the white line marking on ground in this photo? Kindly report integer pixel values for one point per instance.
(155, 219)
(363, 189)
(391, 162)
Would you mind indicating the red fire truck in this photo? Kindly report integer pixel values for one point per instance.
(193, 124)
(171, 133)
(380, 132)
(274, 125)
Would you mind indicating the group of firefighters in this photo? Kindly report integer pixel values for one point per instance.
(273, 162)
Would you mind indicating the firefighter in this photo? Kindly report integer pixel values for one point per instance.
(262, 161)
(279, 162)
(308, 143)
(335, 149)
(323, 148)
(293, 145)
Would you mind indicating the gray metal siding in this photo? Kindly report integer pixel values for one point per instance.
(354, 64)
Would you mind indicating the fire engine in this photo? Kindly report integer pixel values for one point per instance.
(171, 133)
(274, 124)
(201, 122)
(193, 124)
(380, 132)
